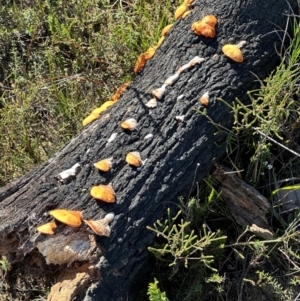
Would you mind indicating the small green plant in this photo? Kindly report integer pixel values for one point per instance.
(4, 265)
(154, 292)
(183, 245)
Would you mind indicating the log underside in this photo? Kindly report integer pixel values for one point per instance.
(112, 266)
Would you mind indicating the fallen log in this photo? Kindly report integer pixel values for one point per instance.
(183, 147)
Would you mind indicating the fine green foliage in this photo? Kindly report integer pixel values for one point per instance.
(154, 292)
(183, 244)
(4, 265)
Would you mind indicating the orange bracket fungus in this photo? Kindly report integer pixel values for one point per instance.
(87, 120)
(140, 63)
(104, 165)
(204, 99)
(206, 26)
(68, 217)
(166, 29)
(129, 124)
(47, 228)
(134, 159)
(120, 91)
(101, 227)
(96, 112)
(234, 52)
(180, 10)
(71, 172)
(186, 14)
(103, 193)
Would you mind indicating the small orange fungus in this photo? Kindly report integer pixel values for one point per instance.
(160, 41)
(166, 29)
(180, 10)
(210, 20)
(186, 14)
(90, 118)
(68, 217)
(107, 104)
(233, 52)
(150, 53)
(188, 2)
(204, 99)
(204, 29)
(104, 165)
(101, 227)
(104, 193)
(129, 124)
(47, 228)
(119, 92)
(134, 159)
(140, 64)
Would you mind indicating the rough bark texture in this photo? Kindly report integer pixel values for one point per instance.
(173, 153)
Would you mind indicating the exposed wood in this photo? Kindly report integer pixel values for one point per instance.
(142, 195)
(246, 204)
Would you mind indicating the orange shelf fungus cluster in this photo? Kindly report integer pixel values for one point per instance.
(97, 112)
(104, 165)
(74, 219)
(182, 10)
(206, 26)
(105, 193)
(204, 99)
(234, 52)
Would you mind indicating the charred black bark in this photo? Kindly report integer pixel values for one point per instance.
(172, 154)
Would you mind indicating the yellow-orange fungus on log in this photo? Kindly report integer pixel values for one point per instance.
(104, 193)
(107, 104)
(233, 52)
(47, 228)
(210, 20)
(180, 11)
(188, 2)
(166, 29)
(204, 99)
(186, 14)
(160, 41)
(204, 29)
(134, 159)
(104, 165)
(140, 64)
(98, 227)
(90, 118)
(68, 217)
(150, 53)
(101, 227)
(129, 124)
(120, 90)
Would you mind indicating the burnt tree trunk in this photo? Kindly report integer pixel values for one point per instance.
(172, 154)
